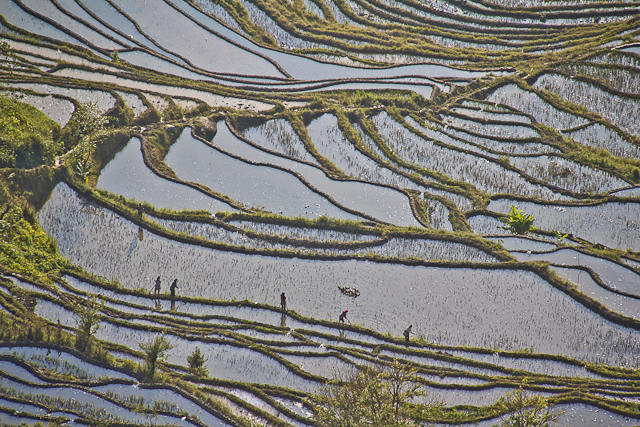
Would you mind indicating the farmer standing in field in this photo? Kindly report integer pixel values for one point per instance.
(140, 209)
(343, 316)
(173, 287)
(157, 287)
(406, 333)
(283, 302)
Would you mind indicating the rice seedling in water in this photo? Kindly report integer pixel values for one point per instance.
(618, 109)
(463, 167)
(450, 285)
(610, 224)
(530, 103)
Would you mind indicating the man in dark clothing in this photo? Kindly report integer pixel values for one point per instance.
(140, 210)
(283, 302)
(343, 316)
(406, 333)
(173, 287)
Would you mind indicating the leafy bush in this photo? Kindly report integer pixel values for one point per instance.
(196, 363)
(85, 125)
(24, 247)
(523, 410)
(147, 117)
(380, 396)
(154, 350)
(518, 223)
(172, 112)
(558, 235)
(88, 126)
(88, 325)
(121, 114)
(28, 138)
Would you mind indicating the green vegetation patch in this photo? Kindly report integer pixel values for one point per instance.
(24, 247)
(28, 138)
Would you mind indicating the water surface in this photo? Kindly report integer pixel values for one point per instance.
(127, 175)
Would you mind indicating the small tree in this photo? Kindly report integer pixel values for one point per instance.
(401, 388)
(90, 124)
(154, 350)
(196, 363)
(523, 410)
(518, 223)
(8, 56)
(88, 325)
(375, 396)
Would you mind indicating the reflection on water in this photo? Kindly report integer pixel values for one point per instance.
(127, 175)
(202, 48)
(581, 415)
(484, 174)
(279, 191)
(622, 304)
(273, 189)
(453, 306)
(283, 320)
(395, 247)
(331, 143)
(614, 275)
(615, 225)
(484, 306)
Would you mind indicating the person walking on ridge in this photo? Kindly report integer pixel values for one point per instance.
(406, 333)
(140, 210)
(343, 316)
(157, 287)
(283, 302)
(173, 287)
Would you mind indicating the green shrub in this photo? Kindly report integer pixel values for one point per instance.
(155, 350)
(518, 223)
(120, 115)
(381, 396)
(28, 138)
(147, 117)
(196, 363)
(172, 112)
(24, 247)
(523, 410)
(88, 325)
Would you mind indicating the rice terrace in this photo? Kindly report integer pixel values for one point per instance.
(319, 213)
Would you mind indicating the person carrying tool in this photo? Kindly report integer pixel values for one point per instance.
(173, 287)
(406, 333)
(343, 316)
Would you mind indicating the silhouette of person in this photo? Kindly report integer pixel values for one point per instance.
(406, 333)
(283, 302)
(343, 316)
(173, 287)
(157, 287)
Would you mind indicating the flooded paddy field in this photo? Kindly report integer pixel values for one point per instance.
(612, 224)
(127, 175)
(467, 168)
(313, 285)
